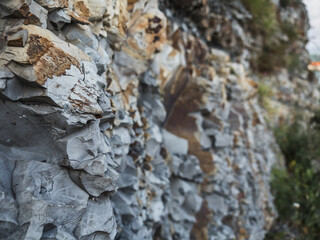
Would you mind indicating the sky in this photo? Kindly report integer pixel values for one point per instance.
(313, 7)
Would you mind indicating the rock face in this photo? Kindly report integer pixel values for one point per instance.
(119, 124)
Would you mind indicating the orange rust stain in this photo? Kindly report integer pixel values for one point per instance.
(77, 18)
(82, 10)
(154, 32)
(48, 61)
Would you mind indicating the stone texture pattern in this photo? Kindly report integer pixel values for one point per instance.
(116, 123)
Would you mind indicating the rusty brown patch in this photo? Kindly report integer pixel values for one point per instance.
(131, 4)
(48, 60)
(82, 10)
(76, 18)
(148, 158)
(200, 229)
(243, 234)
(15, 43)
(30, 18)
(255, 119)
(24, 10)
(84, 103)
(186, 97)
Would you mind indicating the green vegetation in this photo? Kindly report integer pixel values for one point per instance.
(265, 92)
(297, 189)
(275, 53)
(279, 54)
(264, 16)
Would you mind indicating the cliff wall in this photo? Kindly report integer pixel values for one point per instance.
(136, 119)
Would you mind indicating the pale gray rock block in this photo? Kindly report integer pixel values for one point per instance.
(155, 106)
(153, 179)
(123, 134)
(38, 187)
(5, 73)
(174, 144)
(3, 84)
(125, 204)
(96, 185)
(122, 119)
(192, 203)
(223, 140)
(59, 16)
(122, 59)
(98, 166)
(155, 133)
(51, 4)
(40, 12)
(126, 180)
(156, 210)
(205, 141)
(137, 224)
(152, 148)
(8, 206)
(189, 169)
(84, 146)
(98, 217)
(175, 164)
(218, 204)
(81, 32)
(26, 72)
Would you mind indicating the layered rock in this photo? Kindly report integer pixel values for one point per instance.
(119, 124)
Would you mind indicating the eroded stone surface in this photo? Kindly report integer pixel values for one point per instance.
(121, 121)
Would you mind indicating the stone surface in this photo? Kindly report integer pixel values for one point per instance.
(123, 120)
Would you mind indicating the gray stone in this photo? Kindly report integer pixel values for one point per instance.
(38, 187)
(90, 223)
(175, 144)
(223, 140)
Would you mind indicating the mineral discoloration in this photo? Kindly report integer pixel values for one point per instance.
(81, 9)
(48, 60)
(122, 121)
